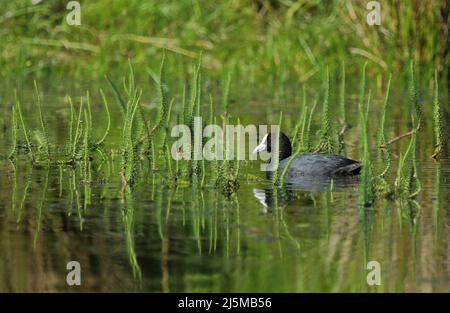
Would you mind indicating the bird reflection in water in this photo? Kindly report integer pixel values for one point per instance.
(271, 198)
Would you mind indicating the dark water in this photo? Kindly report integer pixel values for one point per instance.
(185, 238)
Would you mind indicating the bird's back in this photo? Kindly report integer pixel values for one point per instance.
(320, 164)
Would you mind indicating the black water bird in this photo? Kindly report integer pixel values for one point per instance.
(310, 164)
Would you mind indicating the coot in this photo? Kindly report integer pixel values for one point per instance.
(309, 164)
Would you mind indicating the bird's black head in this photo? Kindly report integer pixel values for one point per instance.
(266, 144)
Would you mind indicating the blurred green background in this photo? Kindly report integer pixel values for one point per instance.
(261, 41)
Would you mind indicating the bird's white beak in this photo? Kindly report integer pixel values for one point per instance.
(262, 146)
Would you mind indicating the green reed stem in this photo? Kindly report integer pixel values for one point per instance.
(41, 120)
(304, 143)
(184, 111)
(414, 94)
(77, 130)
(276, 154)
(381, 131)
(342, 95)
(108, 126)
(437, 118)
(307, 133)
(24, 129)
(366, 187)
(226, 94)
(86, 145)
(326, 141)
(14, 130)
(89, 110)
(300, 122)
(72, 118)
(402, 180)
(119, 99)
(163, 101)
(238, 151)
(414, 180)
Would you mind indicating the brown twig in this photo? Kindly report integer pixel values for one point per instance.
(146, 136)
(124, 182)
(436, 153)
(401, 136)
(342, 131)
(320, 147)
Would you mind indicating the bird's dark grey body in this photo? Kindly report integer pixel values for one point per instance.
(320, 164)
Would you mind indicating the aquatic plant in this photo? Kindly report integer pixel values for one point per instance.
(40, 208)
(18, 111)
(14, 131)
(385, 149)
(75, 139)
(342, 111)
(300, 126)
(212, 121)
(158, 133)
(71, 126)
(226, 94)
(130, 157)
(194, 95)
(227, 170)
(342, 96)
(196, 109)
(326, 140)
(172, 176)
(402, 180)
(42, 135)
(121, 103)
(366, 187)
(307, 132)
(238, 151)
(415, 103)
(275, 155)
(437, 120)
(88, 111)
(86, 157)
(24, 197)
(415, 185)
(108, 115)
(128, 213)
